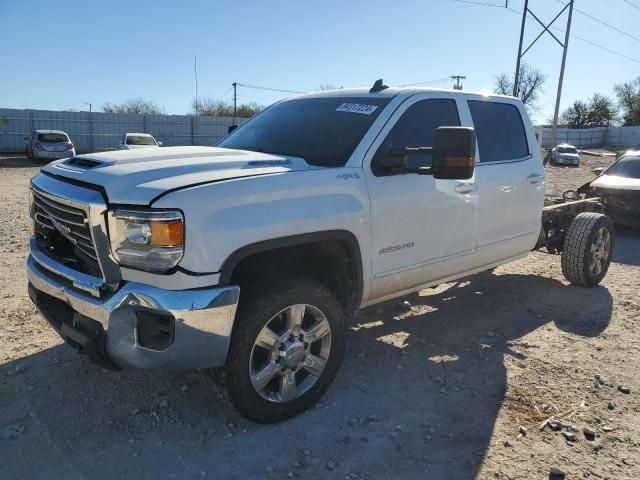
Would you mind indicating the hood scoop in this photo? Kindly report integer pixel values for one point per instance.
(82, 163)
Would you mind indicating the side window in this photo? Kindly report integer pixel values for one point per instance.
(417, 128)
(499, 130)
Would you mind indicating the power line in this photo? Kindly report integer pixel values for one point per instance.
(604, 23)
(628, 2)
(573, 35)
(482, 3)
(428, 82)
(267, 88)
(582, 39)
(626, 11)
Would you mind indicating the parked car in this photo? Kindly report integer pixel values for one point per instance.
(49, 145)
(565, 154)
(619, 187)
(252, 254)
(131, 141)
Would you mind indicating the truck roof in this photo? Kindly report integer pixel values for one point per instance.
(395, 91)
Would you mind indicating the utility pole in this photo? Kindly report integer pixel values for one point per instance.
(516, 81)
(90, 127)
(457, 78)
(516, 84)
(235, 101)
(554, 131)
(195, 71)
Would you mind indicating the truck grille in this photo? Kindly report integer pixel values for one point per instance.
(63, 233)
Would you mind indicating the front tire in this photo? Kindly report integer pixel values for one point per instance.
(588, 248)
(286, 348)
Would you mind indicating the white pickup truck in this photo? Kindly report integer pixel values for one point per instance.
(252, 255)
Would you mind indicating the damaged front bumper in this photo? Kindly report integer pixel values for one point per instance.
(138, 326)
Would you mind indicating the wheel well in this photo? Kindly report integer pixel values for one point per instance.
(334, 262)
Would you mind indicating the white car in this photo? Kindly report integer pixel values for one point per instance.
(252, 254)
(132, 141)
(565, 154)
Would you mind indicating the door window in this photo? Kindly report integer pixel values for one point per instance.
(417, 128)
(499, 131)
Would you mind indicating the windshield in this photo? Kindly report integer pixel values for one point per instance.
(322, 131)
(53, 138)
(567, 150)
(628, 167)
(140, 140)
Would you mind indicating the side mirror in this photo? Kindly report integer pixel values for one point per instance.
(598, 171)
(231, 128)
(454, 153)
(159, 143)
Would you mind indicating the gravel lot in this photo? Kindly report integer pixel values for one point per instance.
(438, 390)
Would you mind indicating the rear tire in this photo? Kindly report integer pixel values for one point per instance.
(588, 248)
(264, 339)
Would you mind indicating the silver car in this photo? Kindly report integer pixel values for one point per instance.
(49, 145)
(565, 154)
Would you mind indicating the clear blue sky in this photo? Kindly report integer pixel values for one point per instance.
(65, 53)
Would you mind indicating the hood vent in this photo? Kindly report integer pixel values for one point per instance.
(83, 163)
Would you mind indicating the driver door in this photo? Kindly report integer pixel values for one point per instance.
(422, 229)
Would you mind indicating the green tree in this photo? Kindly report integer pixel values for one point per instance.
(596, 112)
(136, 105)
(628, 95)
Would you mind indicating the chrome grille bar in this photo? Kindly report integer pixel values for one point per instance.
(71, 222)
(79, 211)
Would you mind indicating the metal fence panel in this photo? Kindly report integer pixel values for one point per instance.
(593, 137)
(102, 131)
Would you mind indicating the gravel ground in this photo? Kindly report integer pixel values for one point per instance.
(455, 386)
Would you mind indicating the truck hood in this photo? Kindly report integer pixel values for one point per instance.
(138, 176)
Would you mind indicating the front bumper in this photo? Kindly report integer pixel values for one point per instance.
(138, 326)
(568, 161)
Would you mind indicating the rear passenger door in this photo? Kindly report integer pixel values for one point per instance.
(510, 180)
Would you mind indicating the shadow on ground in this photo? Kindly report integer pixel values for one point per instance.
(20, 162)
(425, 387)
(626, 249)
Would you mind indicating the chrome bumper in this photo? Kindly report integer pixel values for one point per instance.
(201, 319)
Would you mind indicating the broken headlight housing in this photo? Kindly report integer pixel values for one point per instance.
(149, 240)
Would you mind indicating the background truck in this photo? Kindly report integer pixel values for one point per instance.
(251, 255)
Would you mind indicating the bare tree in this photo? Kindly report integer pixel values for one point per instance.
(628, 95)
(137, 105)
(209, 107)
(530, 85)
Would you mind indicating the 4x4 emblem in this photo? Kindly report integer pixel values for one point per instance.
(63, 230)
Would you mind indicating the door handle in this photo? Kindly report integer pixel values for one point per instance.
(465, 187)
(535, 178)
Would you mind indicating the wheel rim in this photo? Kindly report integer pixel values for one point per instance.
(600, 249)
(290, 353)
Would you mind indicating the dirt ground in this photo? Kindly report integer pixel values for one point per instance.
(456, 386)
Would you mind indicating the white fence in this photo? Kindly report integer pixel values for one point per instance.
(102, 131)
(592, 137)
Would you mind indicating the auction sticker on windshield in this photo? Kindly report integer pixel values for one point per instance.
(357, 108)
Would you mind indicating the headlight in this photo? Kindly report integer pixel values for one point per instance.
(151, 240)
